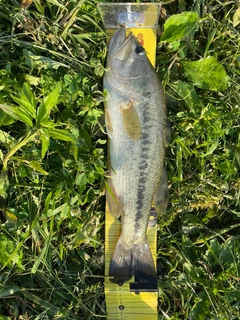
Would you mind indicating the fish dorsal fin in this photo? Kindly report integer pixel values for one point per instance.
(131, 121)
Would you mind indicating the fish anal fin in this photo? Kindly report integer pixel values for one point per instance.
(131, 121)
(161, 195)
(108, 123)
(112, 199)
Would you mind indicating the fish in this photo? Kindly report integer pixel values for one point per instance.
(138, 131)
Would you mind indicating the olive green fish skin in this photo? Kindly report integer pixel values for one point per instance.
(137, 127)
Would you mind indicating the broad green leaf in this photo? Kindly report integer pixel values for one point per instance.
(6, 119)
(11, 214)
(211, 144)
(27, 95)
(207, 74)
(64, 135)
(226, 167)
(4, 183)
(75, 150)
(187, 92)
(6, 138)
(22, 215)
(188, 248)
(81, 179)
(37, 167)
(8, 68)
(7, 246)
(48, 124)
(36, 61)
(32, 79)
(195, 273)
(79, 238)
(81, 41)
(27, 101)
(10, 110)
(6, 293)
(32, 164)
(47, 104)
(233, 295)
(23, 116)
(101, 141)
(17, 114)
(226, 255)
(190, 226)
(209, 113)
(51, 100)
(45, 143)
(179, 26)
(86, 136)
(236, 17)
(26, 107)
(200, 309)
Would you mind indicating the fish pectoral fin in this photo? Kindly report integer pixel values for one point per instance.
(112, 199)
(160, 199)
(108, 123)
(135, 260)
(131, 121)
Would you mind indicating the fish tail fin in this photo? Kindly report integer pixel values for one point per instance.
(128, 261)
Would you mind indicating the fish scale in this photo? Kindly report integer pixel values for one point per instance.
(136, 123)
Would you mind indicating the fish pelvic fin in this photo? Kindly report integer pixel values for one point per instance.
(129, 261)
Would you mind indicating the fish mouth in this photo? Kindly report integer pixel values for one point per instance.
(126, 48)
(121, 46)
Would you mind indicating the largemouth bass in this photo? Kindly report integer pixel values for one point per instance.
(136, 122)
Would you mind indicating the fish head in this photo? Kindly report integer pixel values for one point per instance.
(127, 62)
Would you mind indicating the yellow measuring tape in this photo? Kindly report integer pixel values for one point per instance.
(133, 299)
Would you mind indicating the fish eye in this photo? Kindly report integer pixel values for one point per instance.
(139, 50)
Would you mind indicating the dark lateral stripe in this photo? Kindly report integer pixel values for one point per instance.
(143, 165)
(144, 149)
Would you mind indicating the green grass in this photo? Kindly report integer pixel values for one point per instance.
(53, 161)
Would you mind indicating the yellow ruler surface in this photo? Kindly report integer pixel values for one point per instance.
(134, 299)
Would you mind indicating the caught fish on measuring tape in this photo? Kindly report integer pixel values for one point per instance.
(138, 130)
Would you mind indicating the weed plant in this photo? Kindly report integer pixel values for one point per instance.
(53, 160)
